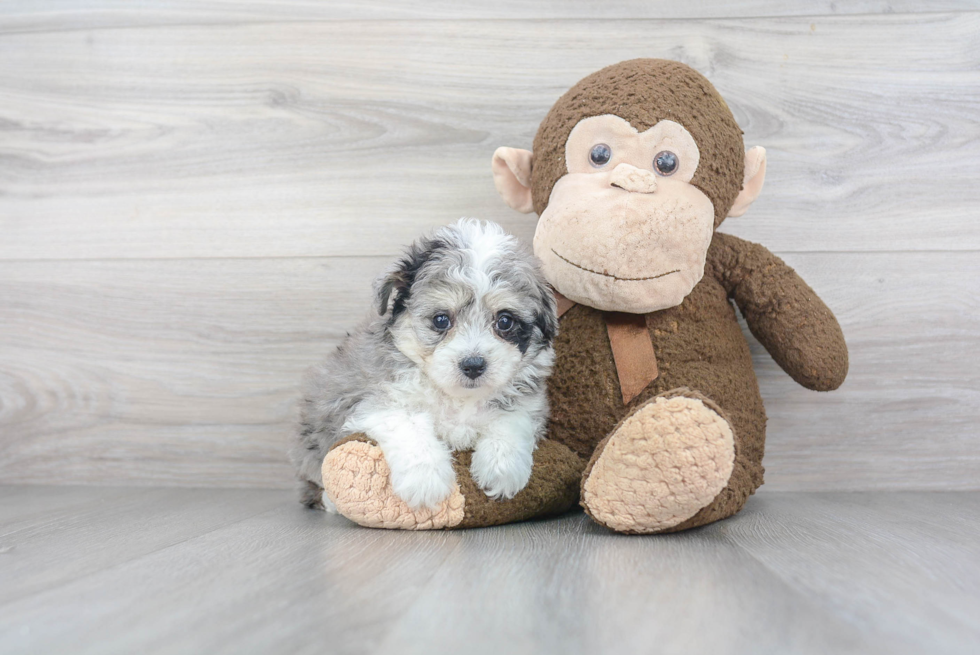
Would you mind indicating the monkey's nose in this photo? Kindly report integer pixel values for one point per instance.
(473, 367)
(631, 178)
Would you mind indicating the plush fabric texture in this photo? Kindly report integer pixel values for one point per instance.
(358, 482)
(553, 488)
(699, 346)
(660, 465)
(628, 252)
(629, 145)
(632, 349)
(783, 313)
(755, 177)
(644, 92)
(681, 449)
(515, 188)
(563, 303)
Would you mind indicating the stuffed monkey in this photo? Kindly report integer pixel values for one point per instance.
(657, 423)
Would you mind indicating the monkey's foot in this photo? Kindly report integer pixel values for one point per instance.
(660, 466)
(357, 481)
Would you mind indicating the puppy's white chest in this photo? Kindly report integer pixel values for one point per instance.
(460, 425)
(460, 437)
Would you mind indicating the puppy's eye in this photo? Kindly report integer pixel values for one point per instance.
(665, 163)
(600, 155)
(441, 322)
(505, 322)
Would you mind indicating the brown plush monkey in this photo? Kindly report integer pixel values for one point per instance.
(633, 170)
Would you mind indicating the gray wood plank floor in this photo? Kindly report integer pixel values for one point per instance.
(121, 570)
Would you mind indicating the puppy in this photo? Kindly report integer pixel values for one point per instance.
(456, 359)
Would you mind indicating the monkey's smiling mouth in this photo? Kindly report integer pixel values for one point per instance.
(621, 279)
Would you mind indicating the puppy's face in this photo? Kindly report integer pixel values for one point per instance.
(471, 310)
(469, 336)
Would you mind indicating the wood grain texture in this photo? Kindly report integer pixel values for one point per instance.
(254, 572)
(194, 198)
(287, 579)
(575, 588)
(925, 571)
(69, 528)
(186, 371)
(912, 325)
(348, 138)
(65, 15)
(133, 371)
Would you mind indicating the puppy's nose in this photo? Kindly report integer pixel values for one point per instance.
(473, 367)
(633, 179)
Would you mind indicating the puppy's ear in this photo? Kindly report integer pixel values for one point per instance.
(395, 286)
(547, 314)
(391, 282)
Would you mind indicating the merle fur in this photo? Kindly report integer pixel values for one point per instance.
(367, 356)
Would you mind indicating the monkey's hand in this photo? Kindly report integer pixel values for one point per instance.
(784, 314)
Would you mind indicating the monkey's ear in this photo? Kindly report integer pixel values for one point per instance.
(512, 177)
(755, 175)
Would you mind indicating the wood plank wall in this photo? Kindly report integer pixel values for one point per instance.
(195, 197)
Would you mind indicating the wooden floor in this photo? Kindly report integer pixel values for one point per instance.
(123, 570)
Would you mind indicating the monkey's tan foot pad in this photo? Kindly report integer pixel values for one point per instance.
(660, 466)
(358, 482)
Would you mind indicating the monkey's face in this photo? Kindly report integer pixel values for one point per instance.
(627, 216)
(624, 230)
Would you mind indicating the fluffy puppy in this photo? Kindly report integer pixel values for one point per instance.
(456, 359)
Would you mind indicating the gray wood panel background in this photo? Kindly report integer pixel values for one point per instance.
(195, 197)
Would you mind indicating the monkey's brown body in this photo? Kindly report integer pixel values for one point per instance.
(699, 346)
(632, 171)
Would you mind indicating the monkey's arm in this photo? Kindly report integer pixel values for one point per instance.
(783, 313)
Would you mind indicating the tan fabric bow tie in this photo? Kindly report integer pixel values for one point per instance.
(632, 348)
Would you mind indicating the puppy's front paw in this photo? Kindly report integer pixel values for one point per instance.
(500, 468)
(424, 482)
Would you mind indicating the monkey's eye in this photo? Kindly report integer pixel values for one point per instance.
(505, 322)
(600, 155)
(665, 163)
(441, 322)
